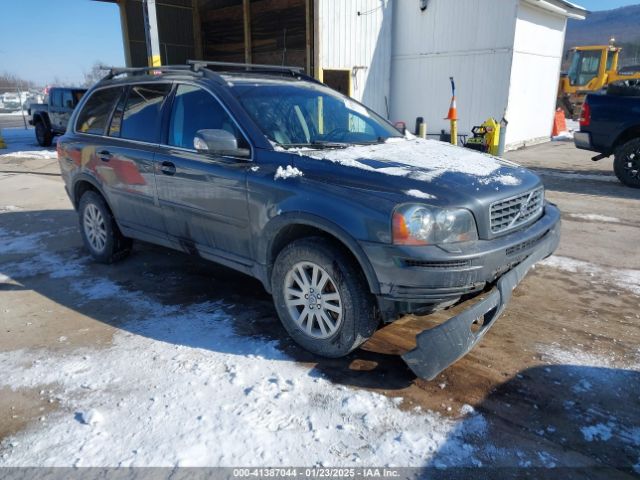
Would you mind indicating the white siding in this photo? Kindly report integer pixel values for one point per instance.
(470, 40)
(538, 44)
(349, 40)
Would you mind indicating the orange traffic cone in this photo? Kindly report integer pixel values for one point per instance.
(453, 110)
(452, 116)
(559, 123)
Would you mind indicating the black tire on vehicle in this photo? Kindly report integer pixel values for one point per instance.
(100, 233)
(343, 303)
(43, 134)
(626, 164)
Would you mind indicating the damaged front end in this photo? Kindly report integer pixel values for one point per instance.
(439, 347)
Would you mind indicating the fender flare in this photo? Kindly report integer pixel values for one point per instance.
(83, 177)
(624, 137)
(42, 117)
(277, 224)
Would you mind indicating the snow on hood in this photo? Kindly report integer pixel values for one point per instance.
(417, 158)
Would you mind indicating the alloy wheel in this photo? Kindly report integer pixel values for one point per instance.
(95, 228)
(313, 300)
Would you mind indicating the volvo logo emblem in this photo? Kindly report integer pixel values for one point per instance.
(523, 209)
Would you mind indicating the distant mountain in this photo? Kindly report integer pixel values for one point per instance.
(622, 23)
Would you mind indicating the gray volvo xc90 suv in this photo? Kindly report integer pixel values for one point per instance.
(344, 220)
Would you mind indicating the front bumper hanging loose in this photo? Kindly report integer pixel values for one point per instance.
(439, 347)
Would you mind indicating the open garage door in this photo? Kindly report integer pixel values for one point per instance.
(278, 32)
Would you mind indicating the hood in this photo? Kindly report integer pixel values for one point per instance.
(437, 173)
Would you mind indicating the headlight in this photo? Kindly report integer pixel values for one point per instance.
(416, 224)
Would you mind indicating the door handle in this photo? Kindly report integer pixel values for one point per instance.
(104, 155)
(168, 168)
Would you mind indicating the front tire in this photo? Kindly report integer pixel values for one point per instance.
(43, 135)
(100, 233)
(626, 164)
(322, 298)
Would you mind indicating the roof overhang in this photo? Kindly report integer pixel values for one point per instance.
(561, 7)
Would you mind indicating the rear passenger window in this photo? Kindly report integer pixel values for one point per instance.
(67, 99)
(95, 114)
(196, 109)
(56, 98)
(141, 115)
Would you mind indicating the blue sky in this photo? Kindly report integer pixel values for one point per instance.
(45, 40)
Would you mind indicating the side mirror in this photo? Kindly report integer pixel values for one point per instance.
(220, 142)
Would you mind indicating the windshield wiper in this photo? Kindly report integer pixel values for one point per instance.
(319, 144)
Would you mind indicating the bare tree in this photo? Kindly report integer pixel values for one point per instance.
(11, 82)
(93, 75)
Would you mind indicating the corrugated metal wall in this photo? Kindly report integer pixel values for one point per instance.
(470, 40)
(538, 46)
(355, 34)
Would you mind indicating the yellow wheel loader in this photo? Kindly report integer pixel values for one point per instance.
(591, 68)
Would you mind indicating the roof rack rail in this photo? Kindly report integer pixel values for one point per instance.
(254, 67)
(115, 71)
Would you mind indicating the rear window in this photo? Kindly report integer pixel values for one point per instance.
(141, 115)
(94, 116)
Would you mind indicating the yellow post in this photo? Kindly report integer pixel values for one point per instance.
(422, 130)
(453, 114)
(2, 142)
(454, 132)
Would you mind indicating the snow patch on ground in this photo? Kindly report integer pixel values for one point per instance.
(178, 386)
(593, 217)
(420, 194)
(577, 175)
(288, 172)
(623, 278)
(22, 143)
(417, 158)
(16, 242)
(221, 399)
(9, 208)
(49, 263)
(567, 135)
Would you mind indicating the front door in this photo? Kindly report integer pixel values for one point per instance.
(203, 196)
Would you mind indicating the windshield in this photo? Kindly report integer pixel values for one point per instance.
(295, 115)
(584, 66)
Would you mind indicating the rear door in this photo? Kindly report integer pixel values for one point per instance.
(128, 156)
(55, 108)
(203, 196)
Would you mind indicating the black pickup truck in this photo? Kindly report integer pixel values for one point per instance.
(51, 118)
(610, 125)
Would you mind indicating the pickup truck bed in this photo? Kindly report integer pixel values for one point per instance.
(610, 125)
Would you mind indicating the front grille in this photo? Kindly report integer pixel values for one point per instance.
(514, 212)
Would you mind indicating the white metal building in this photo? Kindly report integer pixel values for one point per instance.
(505, 56)
(396, 56)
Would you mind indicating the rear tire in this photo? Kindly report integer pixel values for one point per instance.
(329, 312)
(44, 136)
(626, 164)
(100, 233)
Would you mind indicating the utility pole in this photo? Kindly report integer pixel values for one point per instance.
(151, 33)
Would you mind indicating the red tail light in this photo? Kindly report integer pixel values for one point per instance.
(585, 115)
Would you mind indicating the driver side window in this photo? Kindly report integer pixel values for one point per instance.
(196, 109)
